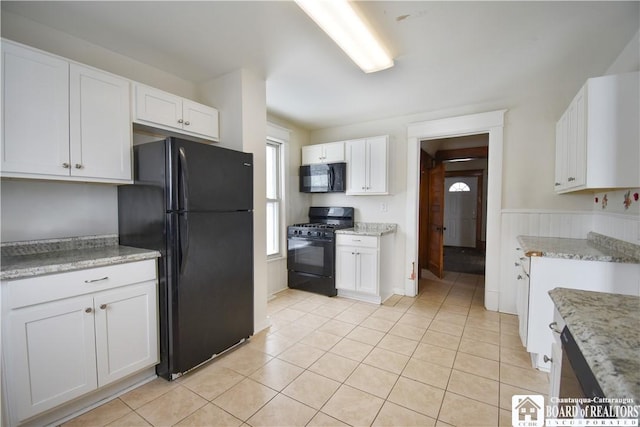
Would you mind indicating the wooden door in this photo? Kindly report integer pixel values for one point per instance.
(423, 223)
(435, 249)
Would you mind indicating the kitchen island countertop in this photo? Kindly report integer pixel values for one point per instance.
(369, 229)
(36, 258)
(606, 328)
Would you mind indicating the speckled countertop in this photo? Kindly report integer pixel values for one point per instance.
(596, 247)
(35, 258)
(369, 229)
(606, 328)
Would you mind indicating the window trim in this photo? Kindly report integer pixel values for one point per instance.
(279, 195)
(280, 135)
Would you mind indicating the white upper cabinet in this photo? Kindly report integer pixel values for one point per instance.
(62, 120)
(35, 102)
(367, 166)
(331, 152)
(100, 124)
(598, 138)
(164, 110)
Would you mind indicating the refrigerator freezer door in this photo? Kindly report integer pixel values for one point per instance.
(209, 178)
(212, 294)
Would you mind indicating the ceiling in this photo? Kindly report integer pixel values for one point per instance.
(447, 54)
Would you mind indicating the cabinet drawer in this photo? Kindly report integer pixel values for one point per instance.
(355, 240)
(36, 290)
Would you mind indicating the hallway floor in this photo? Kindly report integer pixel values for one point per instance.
(437, 359)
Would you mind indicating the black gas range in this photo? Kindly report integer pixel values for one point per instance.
(311, 249)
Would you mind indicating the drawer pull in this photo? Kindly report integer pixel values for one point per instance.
(547, 359)
(356, 240)
(88, 310)
(103, 306)
(552, 326)
(97, 280)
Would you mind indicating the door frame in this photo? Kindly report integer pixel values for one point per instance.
(491, 123)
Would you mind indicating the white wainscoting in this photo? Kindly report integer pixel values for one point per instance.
(276, 276)
(554, 224)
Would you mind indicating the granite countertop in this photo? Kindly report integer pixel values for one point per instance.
(596, 247)
(606, 328)
(20, 260)
(369, 229)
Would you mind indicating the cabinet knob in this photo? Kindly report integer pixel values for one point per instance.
(547, 359)
(180, 120)
(557, 184)
(571, 179)
(519, 276)
(517, 264)
(66, 165)
(187, 123)
(79, 166)
(103, 306)
(88, 310)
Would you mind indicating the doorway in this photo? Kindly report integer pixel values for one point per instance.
(491, 123)
(452, 205)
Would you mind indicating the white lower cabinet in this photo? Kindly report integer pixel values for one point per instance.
(360, 272)
(548, 273)
(60, 347)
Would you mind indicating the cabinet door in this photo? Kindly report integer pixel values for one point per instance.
(376, 166)
(35, 119)
(100, 124)
(367, 270)
(345, 268)
(333, 152)
(356, 157)
(312, 154)
(561, 154)
(126, 331)
(156, 106)
(556, 370)
(200, 119)
(51, 356)
(579, 153)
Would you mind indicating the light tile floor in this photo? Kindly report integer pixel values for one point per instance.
(437, 359)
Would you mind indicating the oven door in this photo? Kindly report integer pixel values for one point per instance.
(310, 256)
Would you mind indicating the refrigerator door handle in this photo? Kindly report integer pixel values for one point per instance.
(184, 180)
(183, 239)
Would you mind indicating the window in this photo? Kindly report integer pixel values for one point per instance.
(274, 197)
(458, 186)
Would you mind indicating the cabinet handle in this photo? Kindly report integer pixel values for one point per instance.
(180, 120)
(517, 264)
(552, 326)
(88, 310)
(103, 306)
(97, 280)
(547, 359)
(187, 123)
(571, 179)
(519, 277)
(66, 165)
(79, 166)
(557, 184)
(364, 188)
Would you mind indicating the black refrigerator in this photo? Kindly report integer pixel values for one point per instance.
(194, 204)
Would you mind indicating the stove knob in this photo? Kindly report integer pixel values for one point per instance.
(308, 233)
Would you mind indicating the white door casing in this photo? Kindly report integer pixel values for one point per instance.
(489, 122)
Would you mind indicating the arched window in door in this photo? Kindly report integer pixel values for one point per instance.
(458, 186)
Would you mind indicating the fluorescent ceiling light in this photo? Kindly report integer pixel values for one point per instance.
(341, 22)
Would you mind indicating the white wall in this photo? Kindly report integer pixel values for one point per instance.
(34, 210)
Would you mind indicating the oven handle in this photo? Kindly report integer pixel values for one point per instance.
(306, 239)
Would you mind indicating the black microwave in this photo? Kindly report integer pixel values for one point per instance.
(323, 178)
